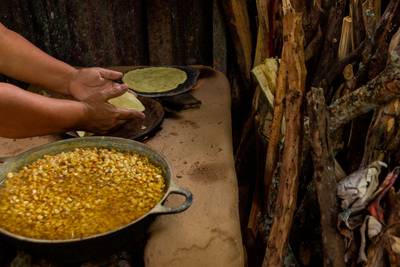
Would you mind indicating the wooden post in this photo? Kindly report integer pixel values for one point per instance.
(238, 22)
(346, 44)
(324, 178)
(288, 185)
(358, 24)
(275, 130)
(328, 55)
(262, 45)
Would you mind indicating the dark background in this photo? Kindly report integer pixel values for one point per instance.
(119, 32)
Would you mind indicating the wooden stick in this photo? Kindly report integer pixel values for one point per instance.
(393, 207)
(358, 24)
(220, 49)
(331, 42)
(275, 130)
(382, 248)
(376, 92)
(338, 66)
(371, 15)
(262, 45)
(346, 44)
(289, 172)
(324, 178)
(382, 134)
(239, 25)
(312, 47)
(375, 51)
(266, 76)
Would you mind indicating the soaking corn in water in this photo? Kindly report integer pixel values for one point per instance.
(79, 193)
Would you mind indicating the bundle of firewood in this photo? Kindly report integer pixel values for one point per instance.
(326, 81)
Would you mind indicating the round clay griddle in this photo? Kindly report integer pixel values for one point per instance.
(192, 76)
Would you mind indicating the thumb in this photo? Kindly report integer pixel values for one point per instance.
(110, 74)
(129, 114)
(114, 91)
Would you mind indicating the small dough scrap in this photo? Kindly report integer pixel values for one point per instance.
(83, 133)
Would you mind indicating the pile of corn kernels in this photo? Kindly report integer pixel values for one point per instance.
(79, 193)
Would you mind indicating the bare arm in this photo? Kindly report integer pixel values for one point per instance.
(22, 60)
(24, 114)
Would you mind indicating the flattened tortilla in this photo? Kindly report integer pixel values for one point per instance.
(154, 79)
(127, 100)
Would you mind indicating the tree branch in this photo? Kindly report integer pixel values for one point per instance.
(288, 185)
(376, 92)
(324, 178)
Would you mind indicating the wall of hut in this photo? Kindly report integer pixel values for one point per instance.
(105, 33)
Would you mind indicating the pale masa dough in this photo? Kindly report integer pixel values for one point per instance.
(127, 100)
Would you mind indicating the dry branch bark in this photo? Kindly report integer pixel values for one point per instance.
(262, 45)
(382, 89)
(382, 136)
(265, 74)
(313, 45)
(358, 24)
(289, 172)
(393, 208)
(275, 130)
(383, 246)
(311, 20)
(239, 25)
(325, 178)
(371, 15)
(331, 42)
(375, 52)
(346, 44)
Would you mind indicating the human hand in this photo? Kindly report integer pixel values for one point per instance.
(87, 81)
(101, 116)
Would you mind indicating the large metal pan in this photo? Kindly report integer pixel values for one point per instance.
(108, 242)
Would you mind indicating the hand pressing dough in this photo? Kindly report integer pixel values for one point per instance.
(127, 100)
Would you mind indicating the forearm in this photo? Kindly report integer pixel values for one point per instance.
(24, 114)
(21, 60)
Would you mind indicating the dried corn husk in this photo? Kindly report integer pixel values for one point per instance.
(374, 227)
(357, 189)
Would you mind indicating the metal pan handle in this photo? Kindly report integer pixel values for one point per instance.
(161, 209)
